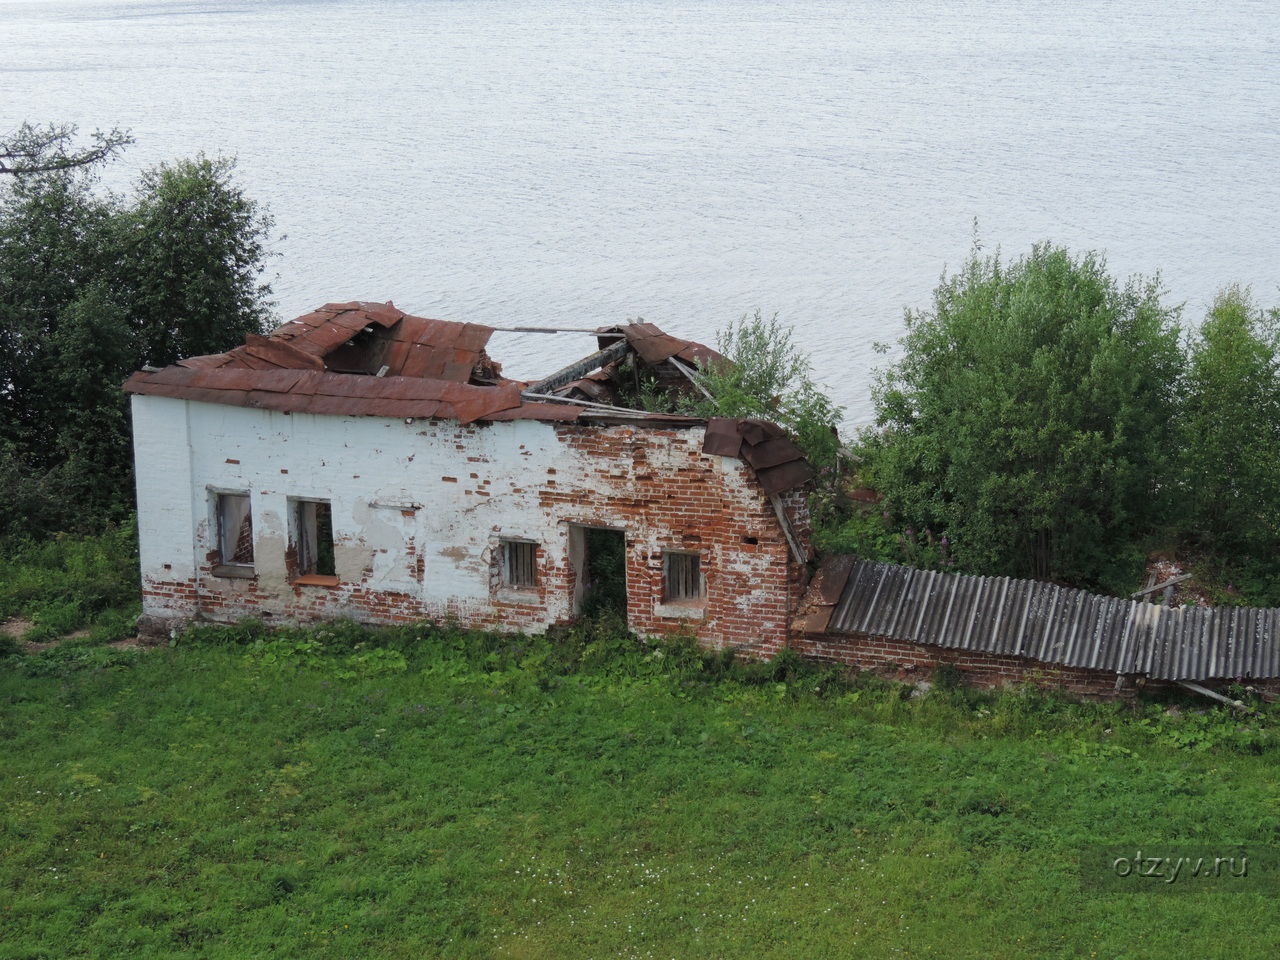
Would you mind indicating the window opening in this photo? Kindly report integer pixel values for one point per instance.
(681, 577)
(235, 530)
(314, 526)
(519, 563)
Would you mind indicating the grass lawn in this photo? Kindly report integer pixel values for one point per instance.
(451, 794)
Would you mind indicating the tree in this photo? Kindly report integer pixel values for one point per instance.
(34, 150)
(194, 252)
(1029, 415)
(1230, 428)
(92, 287)
(769, 377)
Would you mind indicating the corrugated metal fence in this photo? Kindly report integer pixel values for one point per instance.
(1055, 624)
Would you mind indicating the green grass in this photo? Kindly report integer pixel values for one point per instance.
(66, 583)
(424, 792)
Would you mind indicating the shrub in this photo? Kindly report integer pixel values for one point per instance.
(1029, 416)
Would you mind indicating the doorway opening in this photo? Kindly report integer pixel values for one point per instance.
(600, 557)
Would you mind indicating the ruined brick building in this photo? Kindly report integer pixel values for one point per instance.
(363, 463)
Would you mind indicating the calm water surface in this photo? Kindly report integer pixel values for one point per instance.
(560, 162)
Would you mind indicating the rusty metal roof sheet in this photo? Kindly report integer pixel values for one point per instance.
(654, 346)
(371, 359)
(1043, 621)
(778, 463)
(355, 359)
(405, 345)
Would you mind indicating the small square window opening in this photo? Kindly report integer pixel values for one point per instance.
(519, 564)
(235, 530)
(681, 577)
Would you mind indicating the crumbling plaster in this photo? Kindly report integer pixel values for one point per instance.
(419, 508)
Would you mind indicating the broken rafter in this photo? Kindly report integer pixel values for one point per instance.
(576, 371)
(792, 540)
(690, 376)
(586, 404)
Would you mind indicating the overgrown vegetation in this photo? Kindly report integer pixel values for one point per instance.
(1045, 421)
(67, 583)
(1229, 431)
(1029, 415)
(430, 791)
(92, 287)
(770, 377)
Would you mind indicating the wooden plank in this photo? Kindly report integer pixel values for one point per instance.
(1160, 586)
(1205, 691)
(576, 371)
(792, 540)
(690, 377)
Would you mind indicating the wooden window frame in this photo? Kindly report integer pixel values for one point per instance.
(311, 542)
(228, 565)
(682, 581)
(517, 564)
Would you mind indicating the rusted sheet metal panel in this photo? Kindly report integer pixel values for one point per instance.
(395, 356)
(778, 463)
(418, 360)
(722, 438)
(179, 376)
(1053, 624)
(474, 338)
(401, 408)
(147, 383)
(288, 402)
(827, 585)
(281, 353)
(485, 401)
(456, 372)
(335, 406)
(381, 388)
(384, 314)
(788, 476)
(773, 452)
(205, 362)
(352, 320)
(238, 378)
(699, 355)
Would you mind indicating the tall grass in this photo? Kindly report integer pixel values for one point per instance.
(66, 582)
(423, 791)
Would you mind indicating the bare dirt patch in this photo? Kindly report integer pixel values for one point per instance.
(17, 627)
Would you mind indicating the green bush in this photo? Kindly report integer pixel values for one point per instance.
(1029, 418)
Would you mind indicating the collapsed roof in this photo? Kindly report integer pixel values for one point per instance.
(1041, 621)
(372, 359)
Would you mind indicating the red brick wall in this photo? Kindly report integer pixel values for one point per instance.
(658, 486)
(653, 483)
(914, 663)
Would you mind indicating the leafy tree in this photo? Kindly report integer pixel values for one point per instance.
(92, 287)
(47, 149)
(768, 377)
(192, 224)
(1029, 416)
(1230, 430)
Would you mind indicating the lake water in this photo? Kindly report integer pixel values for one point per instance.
(568, 163)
